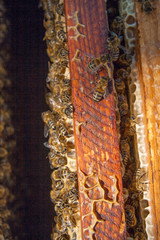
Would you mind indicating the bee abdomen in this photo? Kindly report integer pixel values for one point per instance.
(115, 54)
(62, 131)
(61, 36)
(98, 94)
(51, 125)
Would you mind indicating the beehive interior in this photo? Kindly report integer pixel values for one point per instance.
(28, 70)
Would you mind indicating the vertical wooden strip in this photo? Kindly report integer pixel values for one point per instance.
(99, 172)
(148, 69)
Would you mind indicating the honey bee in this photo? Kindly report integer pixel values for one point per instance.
(51, 53)
(58, 185)
(50, 31)
(127, 127)
(113, 46)
(65, 111)
(147, 6)
(119, 85)
(135, 202)
(60, 223)
(130, 216)
(101, 89)
(4, 213)
(50, 8)
(73, 195)
(6, 167)
(128, 176)
(3, 152)
(57, 146)
(69, 218)
(63, 174)
(56, 69)
(63, 237)
(47, 23)
(124, 60)
(125, 194)
(117, 25)
(57, 160)
(66, 96)
(6, 230)
(61, 129)
(60, 33)
(60, 9)
(50, 47)
(60, 204)
(65, 82)
(142, 181)
(122, 74)
(122, 104)
(50, 119)
(95, 64)
(139, 233)
(62, 53)
(55, 91)
(57, 127)
(125, 151)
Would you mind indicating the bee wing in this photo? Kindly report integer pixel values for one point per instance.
(106, 93)
(48, 79)
(52, 102)
(47, 145)
(46, 130)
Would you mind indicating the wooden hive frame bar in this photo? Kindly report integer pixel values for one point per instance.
(96, 138)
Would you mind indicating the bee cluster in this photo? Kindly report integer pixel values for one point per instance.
(59, 125)
(105, 62)
(7, 141)
(132, 184)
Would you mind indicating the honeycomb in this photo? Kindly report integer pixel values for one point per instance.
(127, 11)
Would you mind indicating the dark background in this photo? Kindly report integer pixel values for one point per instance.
(28, 71)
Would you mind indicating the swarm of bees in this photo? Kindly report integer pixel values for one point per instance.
(59, 125)
(105, 61)
(134, 182)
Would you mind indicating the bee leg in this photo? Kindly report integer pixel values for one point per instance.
(106, 93)
(109, 70)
